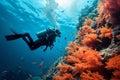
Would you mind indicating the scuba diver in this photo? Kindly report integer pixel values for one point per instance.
(45, 38)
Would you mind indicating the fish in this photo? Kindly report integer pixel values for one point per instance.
(41, 64)
(30, 76)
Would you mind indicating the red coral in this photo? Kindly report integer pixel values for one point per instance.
(88, 75)
(116, 75)
(113, 6)
(114, 64)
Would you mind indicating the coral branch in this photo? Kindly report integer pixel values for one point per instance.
(88, 75)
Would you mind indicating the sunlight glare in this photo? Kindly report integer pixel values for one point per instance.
(64, 3)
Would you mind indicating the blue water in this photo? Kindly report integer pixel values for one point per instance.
(33, 16)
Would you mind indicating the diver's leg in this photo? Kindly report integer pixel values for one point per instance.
(28, 43)
(13, 37)
(27, 38)
(32, 44)
(17, 36)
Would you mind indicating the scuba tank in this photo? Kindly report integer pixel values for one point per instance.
(44, 33)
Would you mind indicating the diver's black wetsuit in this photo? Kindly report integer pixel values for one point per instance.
(47, 39)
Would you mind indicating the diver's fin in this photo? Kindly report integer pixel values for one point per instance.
(13, 37)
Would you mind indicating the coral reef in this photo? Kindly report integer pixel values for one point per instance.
(88, 75)
(113, 7)
(114, 64)
(95, 53)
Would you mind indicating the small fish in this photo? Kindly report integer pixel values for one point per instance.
(41, 63)
(30, 76)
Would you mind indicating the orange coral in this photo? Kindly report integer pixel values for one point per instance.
(64, 68)
(57, 77)
(85, 30)
(114, 64)
(66, 76)
(88, 75)
(83, 61)
(88, 22)
(88, 59)
(72, 47)
(72, 59)
(106, 32)
(90, 40)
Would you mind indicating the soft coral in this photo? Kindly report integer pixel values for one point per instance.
(114, 64)
(88, 75)
(106, 32)
(113, 6)
(66, 76)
